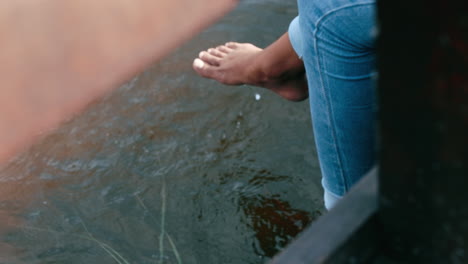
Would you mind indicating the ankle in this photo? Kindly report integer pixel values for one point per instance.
(261, 72)
(256, 72)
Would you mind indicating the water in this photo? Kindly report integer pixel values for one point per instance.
(170, 168)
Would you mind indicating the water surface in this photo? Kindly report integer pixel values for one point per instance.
(170, 168)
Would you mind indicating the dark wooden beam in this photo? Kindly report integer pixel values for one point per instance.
(423, 90)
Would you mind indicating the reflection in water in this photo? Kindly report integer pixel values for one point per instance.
(275, 223)
(170, 168)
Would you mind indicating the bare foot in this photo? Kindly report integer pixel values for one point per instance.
(243, 63)
(229, 64)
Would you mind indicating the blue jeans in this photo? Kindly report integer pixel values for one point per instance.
(336, 40)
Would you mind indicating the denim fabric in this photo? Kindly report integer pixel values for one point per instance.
(336, 40)
(295, 36)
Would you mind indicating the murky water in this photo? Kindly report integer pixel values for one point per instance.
(170, 168)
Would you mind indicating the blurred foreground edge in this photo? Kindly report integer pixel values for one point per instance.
(58, 56)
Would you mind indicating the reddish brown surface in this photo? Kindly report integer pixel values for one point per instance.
(58, 56)
(275, 222)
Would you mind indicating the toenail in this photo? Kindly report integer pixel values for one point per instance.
(197, 63)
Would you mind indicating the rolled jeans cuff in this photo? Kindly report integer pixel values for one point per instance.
(295, 36)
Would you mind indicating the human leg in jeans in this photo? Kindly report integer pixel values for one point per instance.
(336, 43)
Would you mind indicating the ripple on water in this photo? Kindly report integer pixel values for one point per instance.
(233, 160)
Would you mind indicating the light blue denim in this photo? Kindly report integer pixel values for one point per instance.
(336, 41)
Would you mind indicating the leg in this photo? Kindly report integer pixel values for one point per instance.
(339, 58)
(277, 67)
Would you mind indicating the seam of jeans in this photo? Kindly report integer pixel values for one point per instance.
(353, 78)
(339, 157)
(319, 21)
(329, 113)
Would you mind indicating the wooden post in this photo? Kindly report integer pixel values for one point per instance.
(423, 92)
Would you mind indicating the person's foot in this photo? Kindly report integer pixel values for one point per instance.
(230, 64)
(243, 63)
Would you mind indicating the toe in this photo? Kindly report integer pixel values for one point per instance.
(208, 71)
(224, 49)
(202, 68)
(232, 45)
(210, 59)
(216, 53)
